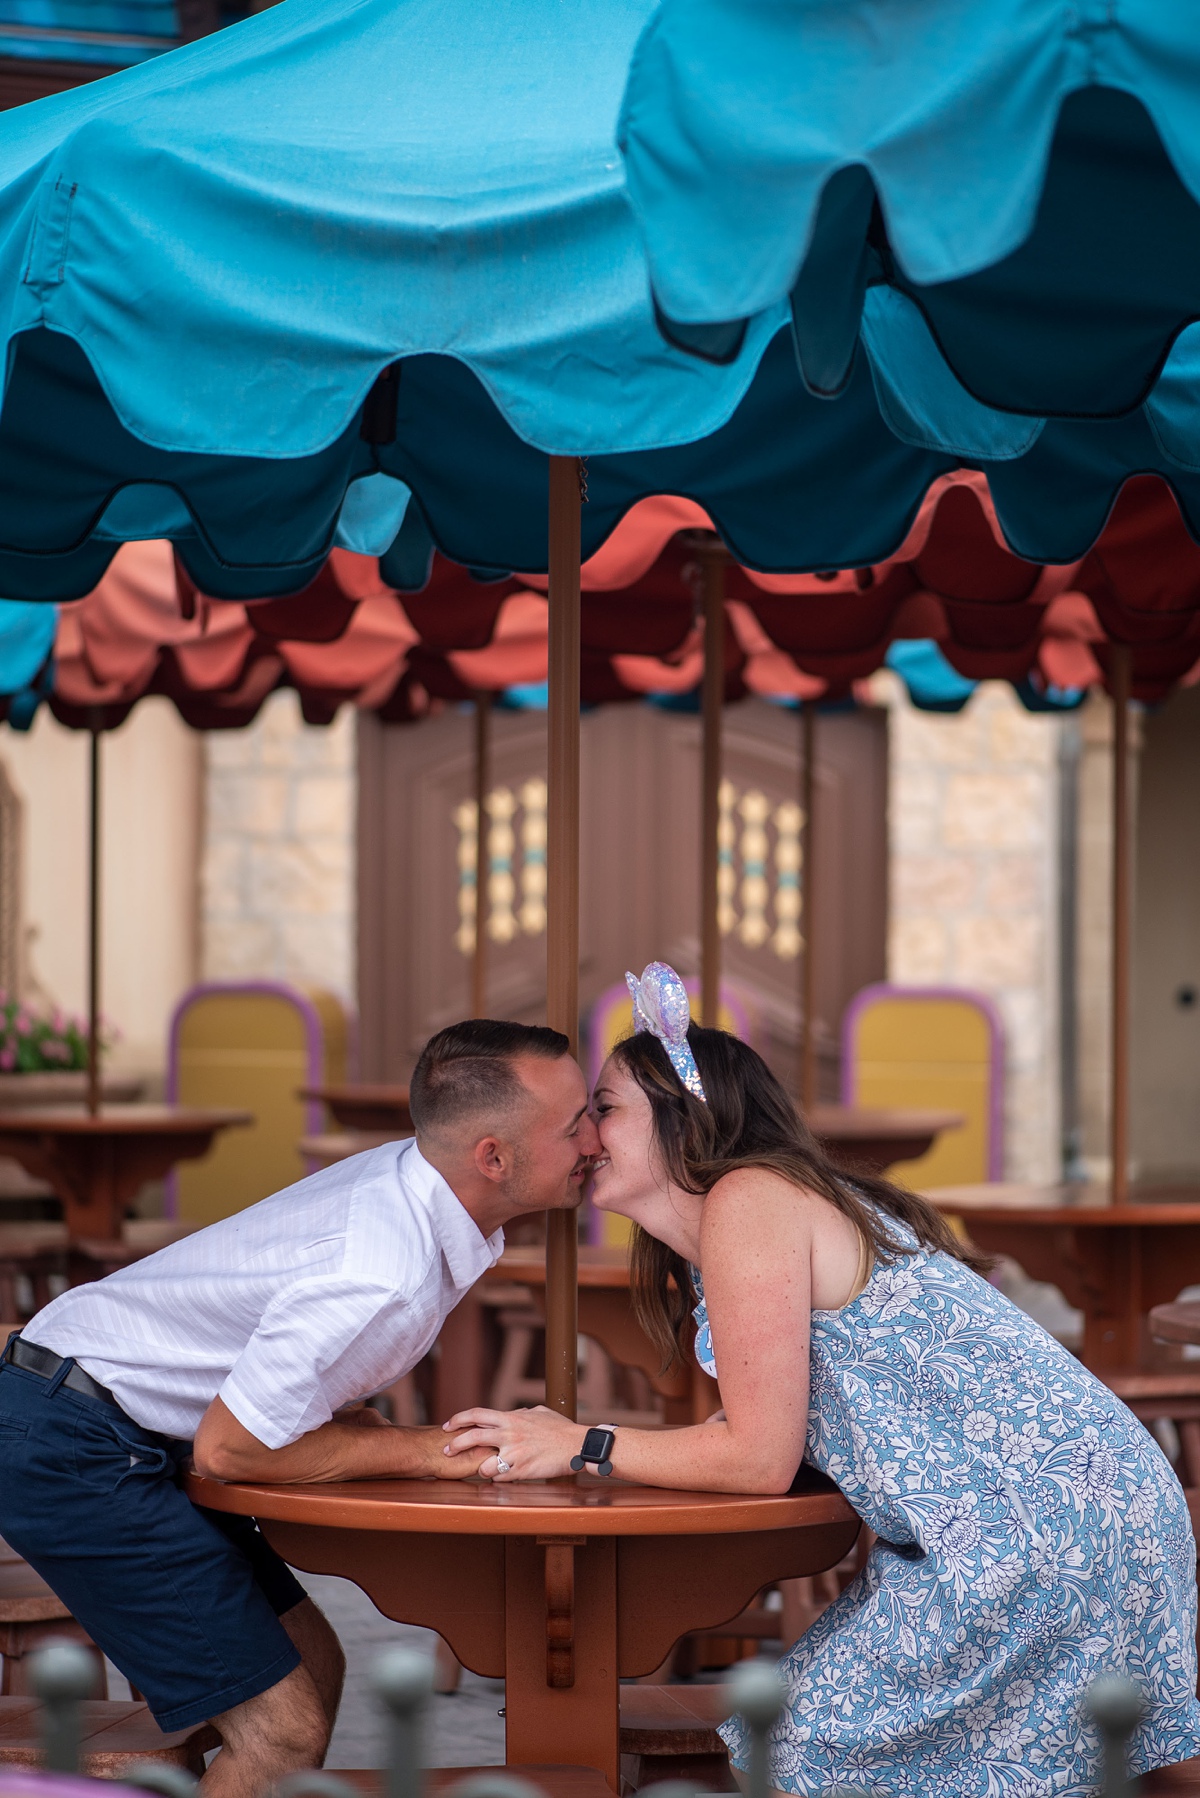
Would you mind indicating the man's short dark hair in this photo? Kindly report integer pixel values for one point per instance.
(467, 1070)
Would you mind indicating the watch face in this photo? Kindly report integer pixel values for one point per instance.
(596, 1445)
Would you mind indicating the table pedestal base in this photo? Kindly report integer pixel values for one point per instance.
(562, 1619)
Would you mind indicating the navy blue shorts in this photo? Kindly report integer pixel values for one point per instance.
(185, 1602)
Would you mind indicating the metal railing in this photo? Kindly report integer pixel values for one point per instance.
(63, 1676)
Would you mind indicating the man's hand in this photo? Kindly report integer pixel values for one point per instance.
(535, 1444)
(366, 1416)
(347, 1448)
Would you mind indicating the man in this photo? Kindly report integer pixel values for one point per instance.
(243, 1345)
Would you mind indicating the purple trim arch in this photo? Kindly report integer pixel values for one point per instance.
(963, 995)
(313, 1043)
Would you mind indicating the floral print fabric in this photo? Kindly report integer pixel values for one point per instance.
(1032, 1536)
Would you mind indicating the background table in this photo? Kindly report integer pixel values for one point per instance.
(380, 1106)
(876, 1137)
(606, 1314)
(872, 1137)
(1112, 1262)
(98, 1163)
(560, 1588)
(1176, 1323)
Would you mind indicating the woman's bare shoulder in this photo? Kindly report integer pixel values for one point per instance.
(757, 1189)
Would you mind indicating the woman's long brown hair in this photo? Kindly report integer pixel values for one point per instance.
(749, 1121)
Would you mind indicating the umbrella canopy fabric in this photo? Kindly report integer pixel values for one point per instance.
(953, 607)
(265, 289)
(1023, 175)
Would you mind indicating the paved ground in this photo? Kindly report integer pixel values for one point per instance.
(464, 1729)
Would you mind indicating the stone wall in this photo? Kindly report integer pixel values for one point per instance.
(278, 865)
(973, 833)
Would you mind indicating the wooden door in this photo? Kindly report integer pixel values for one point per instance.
(639, 865)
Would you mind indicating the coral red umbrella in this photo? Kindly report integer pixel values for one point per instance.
(660, 589)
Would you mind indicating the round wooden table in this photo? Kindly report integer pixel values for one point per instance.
(97, 1164)
(1112, 1262)
(560, 1589)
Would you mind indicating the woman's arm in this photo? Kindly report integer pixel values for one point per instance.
(755, 1247)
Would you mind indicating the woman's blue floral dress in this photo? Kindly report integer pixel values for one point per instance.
(1032, 1535)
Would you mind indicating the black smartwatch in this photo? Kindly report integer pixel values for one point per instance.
(596, 1452)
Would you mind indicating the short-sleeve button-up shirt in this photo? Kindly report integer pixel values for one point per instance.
(313, 1298)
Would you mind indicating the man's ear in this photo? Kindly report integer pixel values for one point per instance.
(493, 1159)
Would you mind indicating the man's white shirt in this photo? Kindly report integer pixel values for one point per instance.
(318, 1296)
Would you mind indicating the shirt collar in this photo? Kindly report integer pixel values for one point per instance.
(468, 1252)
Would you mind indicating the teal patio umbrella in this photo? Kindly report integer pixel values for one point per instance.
(351, 268)
(1012, 183)
(349, 258)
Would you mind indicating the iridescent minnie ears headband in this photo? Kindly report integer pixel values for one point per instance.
(660, 1005)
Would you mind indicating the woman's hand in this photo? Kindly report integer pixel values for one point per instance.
(534, 1445)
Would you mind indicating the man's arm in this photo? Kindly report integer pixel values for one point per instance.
(339, 1450)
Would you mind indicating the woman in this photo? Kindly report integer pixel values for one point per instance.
(1031, 1533)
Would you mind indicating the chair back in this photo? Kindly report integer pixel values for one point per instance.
(931, 1048)
(252, 1044)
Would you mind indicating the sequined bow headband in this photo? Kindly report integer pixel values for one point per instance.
(660, 1005)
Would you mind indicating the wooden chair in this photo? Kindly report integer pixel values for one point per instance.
(33, 1269)
(670, 1732)
(31, 1616)
(115, 1736)
(522, 1328)
(1170, 1394)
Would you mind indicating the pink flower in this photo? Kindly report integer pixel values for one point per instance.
(8, 1058)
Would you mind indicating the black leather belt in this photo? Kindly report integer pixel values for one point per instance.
(46, 1363)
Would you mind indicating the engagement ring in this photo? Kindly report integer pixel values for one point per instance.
(502, 1465)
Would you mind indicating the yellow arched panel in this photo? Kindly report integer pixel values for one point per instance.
(253, 1047)
(931, 1050)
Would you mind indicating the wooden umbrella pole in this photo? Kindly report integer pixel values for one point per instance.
(1121, 676)
(562, 899)
(93, 969)
(713, 561)
(483, 860)
(808, 965)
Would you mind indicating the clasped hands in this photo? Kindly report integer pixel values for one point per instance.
(537, 1444)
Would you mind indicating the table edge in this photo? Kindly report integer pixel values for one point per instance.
(741, 1516)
